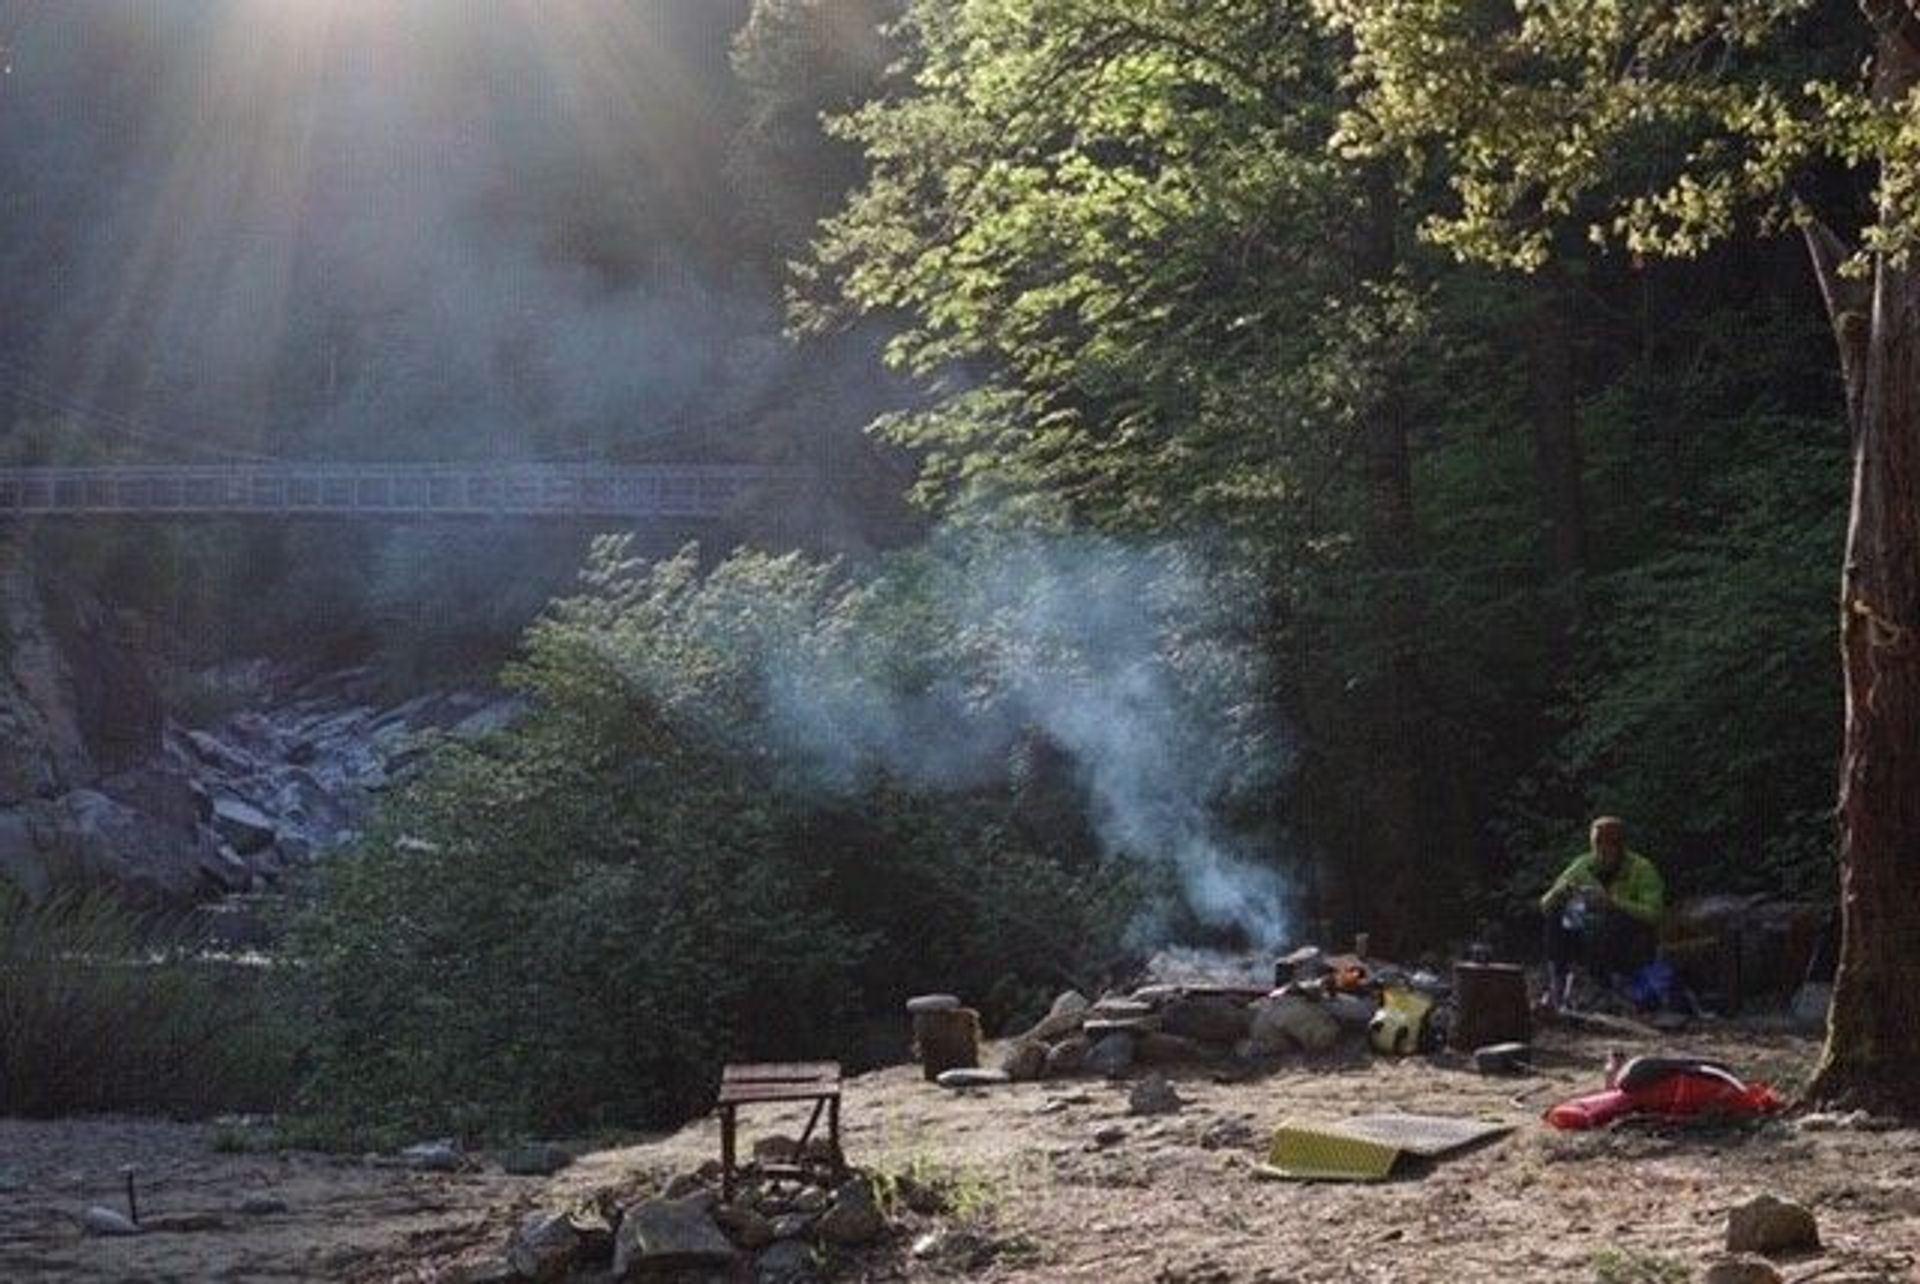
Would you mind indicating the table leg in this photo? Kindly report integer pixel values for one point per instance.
(726, 1153)
(839, 1160)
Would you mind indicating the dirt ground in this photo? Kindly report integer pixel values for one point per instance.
(1172, 1200)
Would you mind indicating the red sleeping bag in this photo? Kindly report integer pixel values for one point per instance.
(1670, 1090)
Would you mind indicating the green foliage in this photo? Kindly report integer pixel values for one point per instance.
(105, 1013)
(576, 923)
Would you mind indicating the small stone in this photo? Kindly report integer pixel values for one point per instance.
(535, 1159)
(776, 1149)
(811, 1199)
(101, 1220)
(544, 1247)
(262, 1205)
(1153, 1095)
(441, 1156)
(855, 1217)
(1768, 1225)
(932, 1003)
(1108, 1135)
(971, 1078)
(1742, 1270)
(792, 1225)
(492, 1270)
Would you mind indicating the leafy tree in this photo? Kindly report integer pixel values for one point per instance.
(1662, 123)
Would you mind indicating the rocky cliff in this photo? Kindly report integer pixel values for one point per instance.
(99, 787)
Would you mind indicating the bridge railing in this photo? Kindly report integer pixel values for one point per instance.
(393, 490)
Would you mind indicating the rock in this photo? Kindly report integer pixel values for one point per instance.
(1025, 1059)
(811, 1199)
(669, 1235)
(1157, 1049)
(972, 1078)
(1768, 1225)
(684, 1186)
(493, 1270)
(932, 1003)
(1742, 1270)
(262, 1205)
(441, 1156)
(180, 1223)
(1111, 1055)
(535, 1159)
(1112, 1009)
(1207, 1019)
(1063, 1018)
(776, 1148)
(788, 1262)
(101, 1220)
(792, 1225)
(544, 1247)
(1351, 1011)
(1153, 1095)
(1068, 1056)
(744, 1226)
(1108, 1135)
(854, 1218)
(243, 825)
(1293, 1021)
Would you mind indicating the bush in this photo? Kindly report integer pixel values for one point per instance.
(101, 1012)
(574, 924)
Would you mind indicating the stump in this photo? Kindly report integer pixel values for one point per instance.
(948, 1039)
(1491, 1001)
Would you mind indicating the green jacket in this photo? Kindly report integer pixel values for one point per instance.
(1636, 887)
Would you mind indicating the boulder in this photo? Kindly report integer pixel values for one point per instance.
(1063, 1018)
(1111, 1055)
(661, 1235)
(1293, 1021)
(1024, 1059)
(544, 1247)
(1069, 1056)
(787, 1262)
(932, 1003)
(1156, 1049)
(855, 1216)
(1768, 1225)
(744, 1225)
(245, 826)
(1206, 1019)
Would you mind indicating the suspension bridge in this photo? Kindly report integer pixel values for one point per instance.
(393, 491)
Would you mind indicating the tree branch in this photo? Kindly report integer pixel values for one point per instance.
(1849, 304)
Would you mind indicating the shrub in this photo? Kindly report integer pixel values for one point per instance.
(573, 924)
(100, 1011)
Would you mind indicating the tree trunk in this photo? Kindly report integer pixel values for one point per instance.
(1556, 455)
(1872, 1056)
(1394, 876)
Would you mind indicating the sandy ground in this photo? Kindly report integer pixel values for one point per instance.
(1172, 1201)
